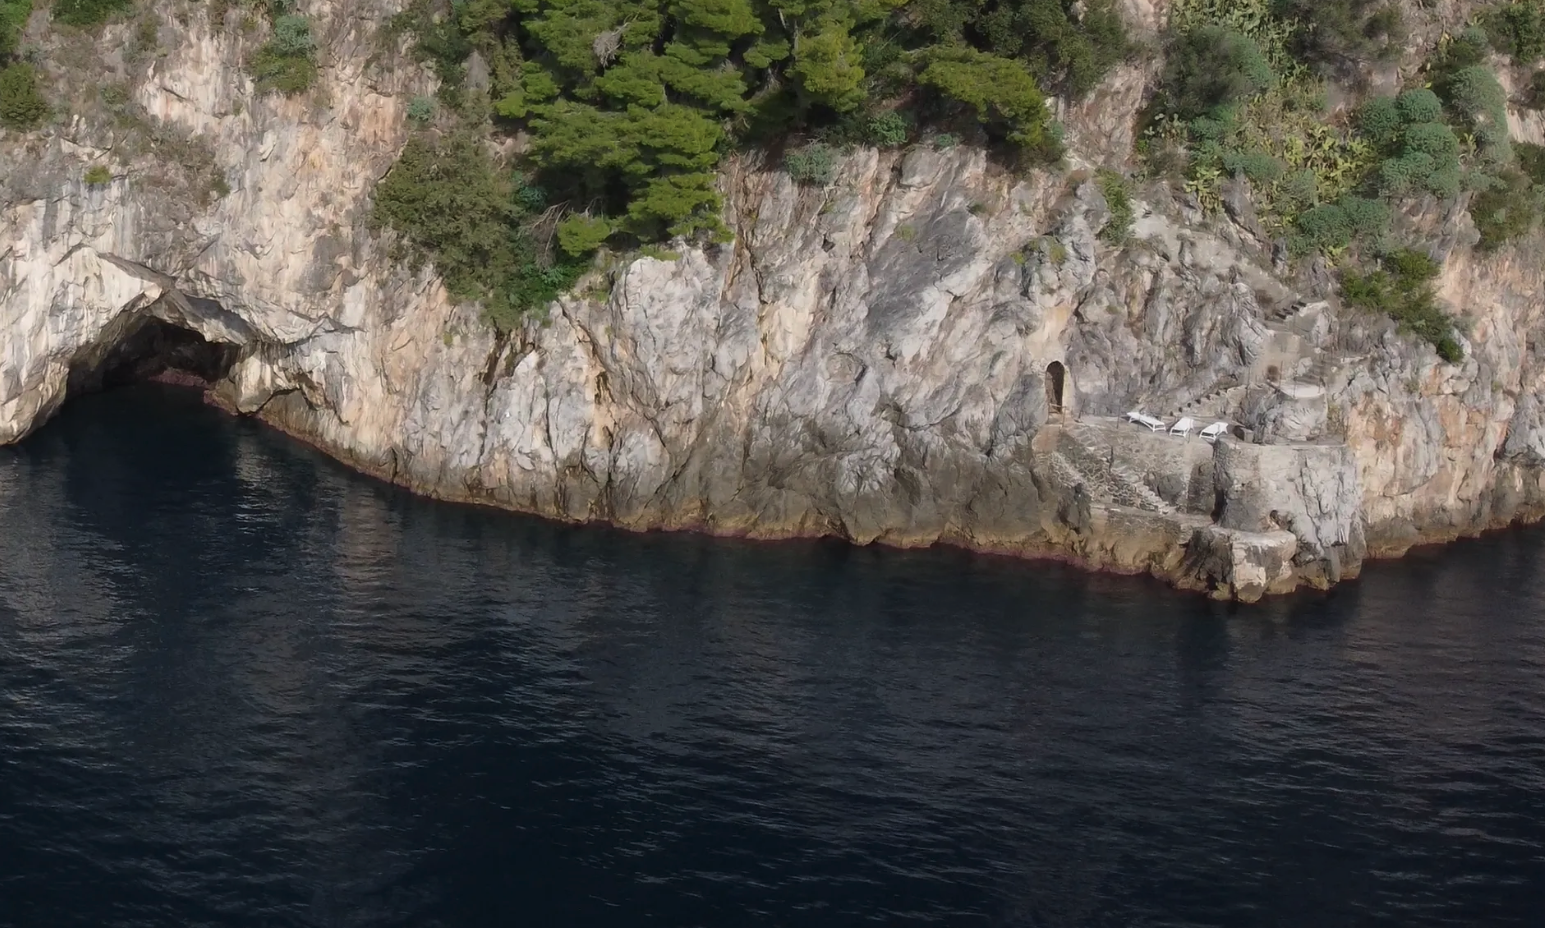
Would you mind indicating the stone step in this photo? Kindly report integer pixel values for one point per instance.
(1116, 482)
(1063, 471)
(1216, 403)
(1324, 366)
(1133, 486)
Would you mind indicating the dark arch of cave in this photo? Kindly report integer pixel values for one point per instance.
(142, 347)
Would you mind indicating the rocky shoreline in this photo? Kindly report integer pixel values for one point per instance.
(931, 349)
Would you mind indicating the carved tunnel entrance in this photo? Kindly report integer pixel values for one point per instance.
(140, 347)
(1056, 382)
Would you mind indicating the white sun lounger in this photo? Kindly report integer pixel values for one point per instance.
(1143, 419)
(1183, 427)
(1215, 431)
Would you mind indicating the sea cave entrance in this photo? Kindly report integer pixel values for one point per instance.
(1056, 382)
(140, 347)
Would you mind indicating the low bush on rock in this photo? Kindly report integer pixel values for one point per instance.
(1339, 34)
(814, 164)
(286, 63)
(1118, 199)
(88, 12)
(1509, 206)
(1401, 288)
(21, 104)
(1517, 29)
(13, 20)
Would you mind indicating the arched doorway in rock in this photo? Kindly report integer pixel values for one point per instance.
(1056, 382)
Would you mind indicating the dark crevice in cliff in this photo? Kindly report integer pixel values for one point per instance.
(141, 347)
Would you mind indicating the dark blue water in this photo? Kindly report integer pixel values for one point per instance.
(242, 686)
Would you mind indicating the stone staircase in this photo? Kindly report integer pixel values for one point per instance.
(1219, 400)
(1086, 455)
(1064, 473)
(1323, 366)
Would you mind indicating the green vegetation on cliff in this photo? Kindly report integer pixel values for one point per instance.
(629, 105)
(1338, 36)
(13, 19)
(483, 228)
(88, 12)
(1243, 95)
(286, 63)
(21, 102)
(1400, 286)
(21, 105)
(1240, 97)
(1517, 29)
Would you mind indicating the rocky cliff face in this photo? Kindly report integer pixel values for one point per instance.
(926, 351)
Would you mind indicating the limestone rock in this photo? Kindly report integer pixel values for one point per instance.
(885, 360)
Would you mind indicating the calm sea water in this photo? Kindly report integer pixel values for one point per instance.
(242, 686)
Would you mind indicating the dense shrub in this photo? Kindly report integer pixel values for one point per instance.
(1419, 106)
(1480, 103)
(1510, 206)
(1258, 166)
(1419, 153)
(439, 41)
(1534, 96)
(1210, 68)
(1233, 101)
(1002, 95)
(1380, 121)
(1401, 288)
(1333, 226)
(1067, 52)
(286, 63)
(888, 130)
(21, 105)
(97, 175)
(1531, 160)
(1517, 28)
(453, 207)
(629, 105)
(421, 110)
(1472, 94)
(88, 12)
(629, 109)
(1427, 159)
(292, 36)
(1342, 33)
(285, 74)
(1506, 210)
(814, 164)
(1433, 139)
(579, 234)
(1464, 50)
(13, 19)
